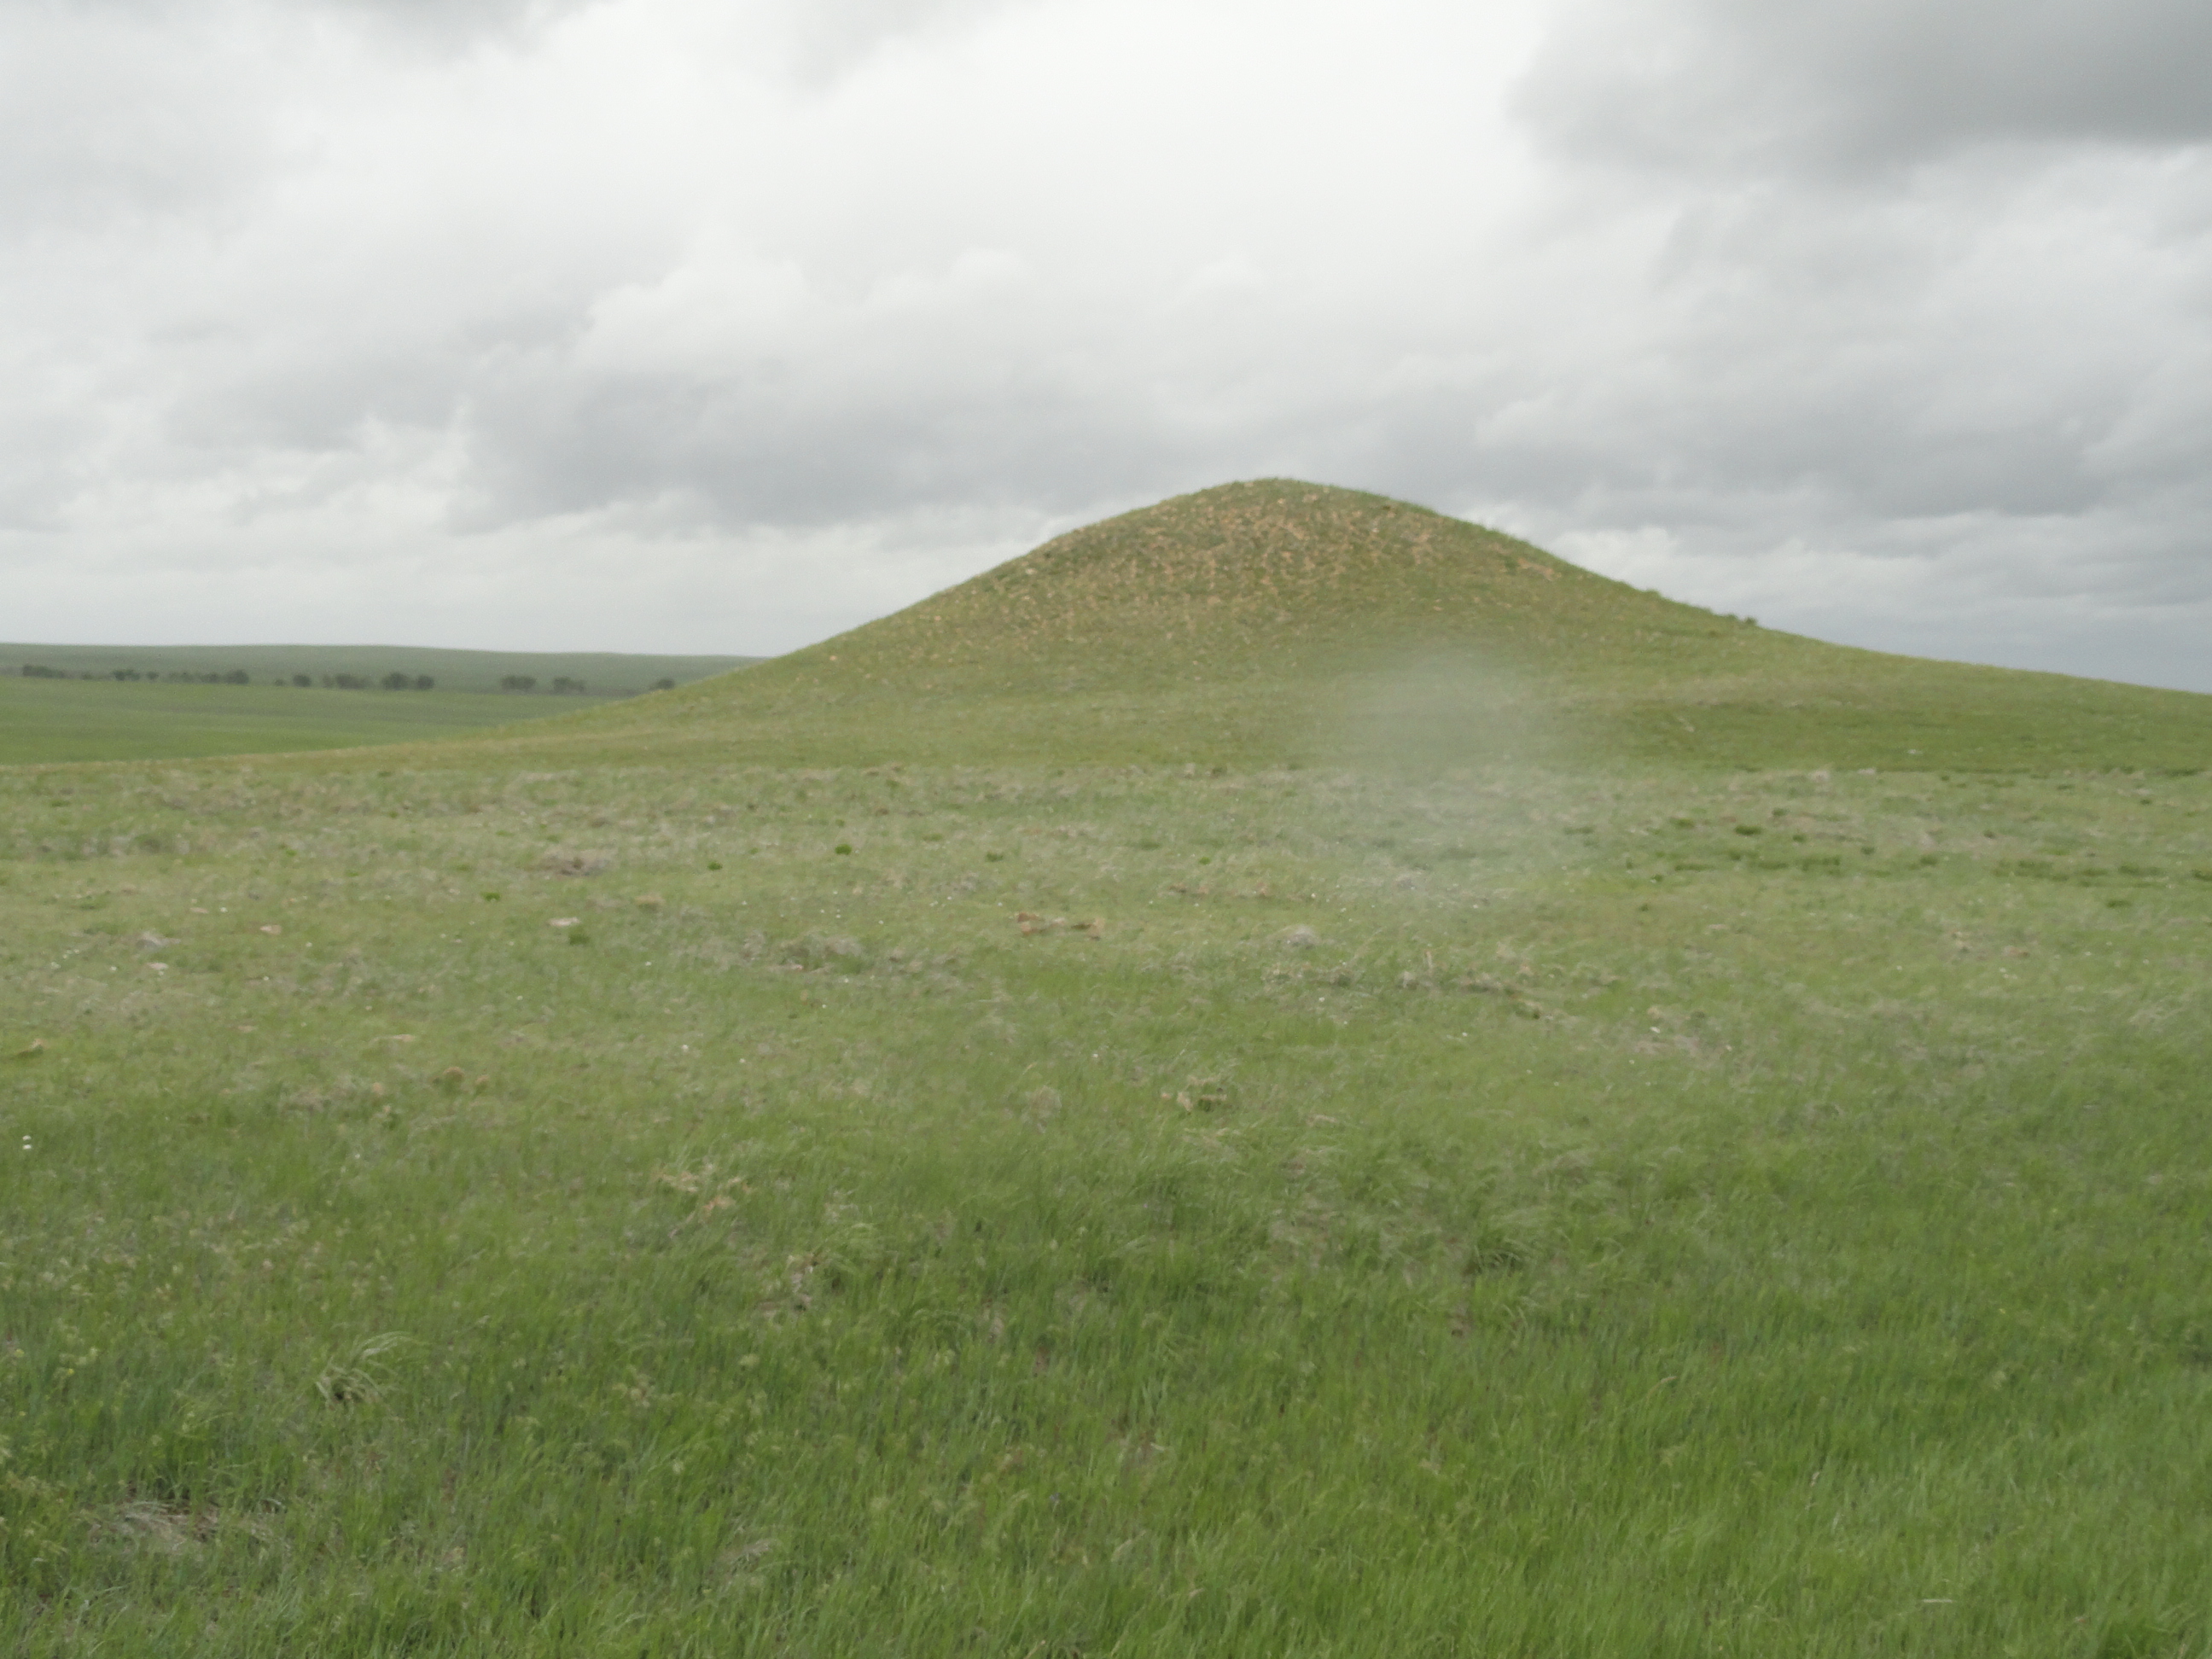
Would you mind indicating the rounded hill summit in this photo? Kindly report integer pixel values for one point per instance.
(1234, 576)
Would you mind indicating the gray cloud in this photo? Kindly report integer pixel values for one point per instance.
(96, 123)
(446, 26)
(1746, 83)
(829, 38)
(734, 453)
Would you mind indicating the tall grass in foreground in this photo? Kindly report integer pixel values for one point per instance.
(1103, 1212)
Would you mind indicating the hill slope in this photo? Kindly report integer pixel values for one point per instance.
(1276, 621)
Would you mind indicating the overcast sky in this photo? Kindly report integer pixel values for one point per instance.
(722, 324)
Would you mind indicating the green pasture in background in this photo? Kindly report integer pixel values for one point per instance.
(55, 721)
(1417, 1166)
(52, 719)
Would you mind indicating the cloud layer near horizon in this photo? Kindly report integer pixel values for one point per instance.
(658, 324)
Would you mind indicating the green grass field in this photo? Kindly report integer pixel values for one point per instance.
(43, 720)
(88, 715)
(966, 1142)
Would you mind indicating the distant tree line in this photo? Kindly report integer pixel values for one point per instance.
(32, 670)
(394, 681)
(562, 684)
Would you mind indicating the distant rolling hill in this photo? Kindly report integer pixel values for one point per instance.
(1278, 621)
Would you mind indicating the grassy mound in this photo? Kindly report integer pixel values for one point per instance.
(1280, 621)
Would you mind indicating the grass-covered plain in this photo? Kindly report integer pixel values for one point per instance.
(44, 720)
(466, 1203)
(47, 721)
